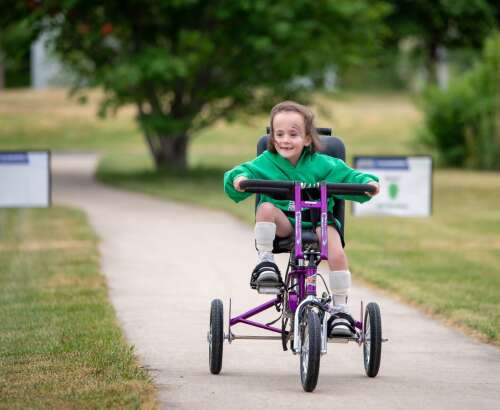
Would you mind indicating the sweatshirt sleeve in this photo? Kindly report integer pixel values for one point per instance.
(244, 169)
(340, 172)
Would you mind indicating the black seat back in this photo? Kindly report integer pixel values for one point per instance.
(332, 146)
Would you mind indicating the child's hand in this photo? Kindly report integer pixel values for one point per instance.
(377, 188)
(236, 183)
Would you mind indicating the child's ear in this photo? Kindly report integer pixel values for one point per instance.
(308, 140)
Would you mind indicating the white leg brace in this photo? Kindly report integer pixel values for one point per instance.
(340, 284)
(264, 236)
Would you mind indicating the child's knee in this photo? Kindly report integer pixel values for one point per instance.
(266, 210)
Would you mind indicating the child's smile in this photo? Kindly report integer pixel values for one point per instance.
(289, 135)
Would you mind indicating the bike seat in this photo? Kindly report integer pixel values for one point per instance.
(282, 245)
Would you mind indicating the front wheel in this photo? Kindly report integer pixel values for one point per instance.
(216, 336)
(310, 353)
(372, 339)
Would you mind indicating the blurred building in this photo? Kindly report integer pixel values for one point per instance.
(46, 70)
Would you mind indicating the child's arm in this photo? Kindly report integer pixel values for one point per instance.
(340, 172)
(232, 179)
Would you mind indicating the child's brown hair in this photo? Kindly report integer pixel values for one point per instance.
(307, 114)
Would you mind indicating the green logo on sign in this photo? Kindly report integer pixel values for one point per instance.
(393, 191)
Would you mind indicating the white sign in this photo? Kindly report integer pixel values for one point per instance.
(25, 179)
(405, 186)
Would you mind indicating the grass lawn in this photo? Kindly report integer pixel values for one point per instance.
(60, 343)
(46, 119)
(448, 265)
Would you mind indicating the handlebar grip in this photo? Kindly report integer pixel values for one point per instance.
(350, 189)
(269, 191)
(266, 184)
(275, 189)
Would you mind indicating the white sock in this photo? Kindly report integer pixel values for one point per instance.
(340, 284)
(264, 237)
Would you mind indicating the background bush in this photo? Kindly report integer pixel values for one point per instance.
(462, 123)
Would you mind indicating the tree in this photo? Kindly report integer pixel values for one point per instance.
(443, 23)
(187, 63)
(462, 123)
(17, 31)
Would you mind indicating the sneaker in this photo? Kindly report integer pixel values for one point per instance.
(341, 324)
(265, 274)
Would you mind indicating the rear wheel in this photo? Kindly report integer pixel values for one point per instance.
(372, 340)
(310, 353)
(216, 336)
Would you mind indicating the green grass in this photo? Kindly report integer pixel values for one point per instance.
(46, 119)
(448, 265)
(60, 343)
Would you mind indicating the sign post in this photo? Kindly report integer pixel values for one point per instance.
(405, 186)
(25, 179)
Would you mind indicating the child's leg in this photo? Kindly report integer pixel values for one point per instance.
(267, 212)
(340, 276)
(337, 259)
(340, 279)
(270, 221)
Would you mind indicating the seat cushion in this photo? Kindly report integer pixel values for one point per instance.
(282, 245)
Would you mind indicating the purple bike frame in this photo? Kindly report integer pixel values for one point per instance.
(243, 318)
(322, 204)
(304, 276)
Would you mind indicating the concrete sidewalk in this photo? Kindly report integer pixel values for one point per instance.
(165, 262)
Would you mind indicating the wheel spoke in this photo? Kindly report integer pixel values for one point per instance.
(367, 344)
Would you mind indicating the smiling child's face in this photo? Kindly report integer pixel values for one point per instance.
(289, 135)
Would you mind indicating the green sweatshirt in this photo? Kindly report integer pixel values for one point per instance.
(310, 168)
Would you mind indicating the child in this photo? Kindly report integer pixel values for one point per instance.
(292, 155)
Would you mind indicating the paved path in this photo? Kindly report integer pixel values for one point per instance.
(164, 262)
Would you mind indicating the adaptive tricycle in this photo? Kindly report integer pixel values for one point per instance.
(306, 318)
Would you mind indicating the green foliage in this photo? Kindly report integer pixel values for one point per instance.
(463, 122)
(452, 23)
(175, 57)
(429, 25)
(187, 63)
(16, 34)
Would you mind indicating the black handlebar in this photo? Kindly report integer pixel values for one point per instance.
(284, 189)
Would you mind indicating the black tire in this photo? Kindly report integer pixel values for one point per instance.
(216, 336)
(372, 343)
(310, 354)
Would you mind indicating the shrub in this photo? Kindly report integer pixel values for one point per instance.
(462, 123)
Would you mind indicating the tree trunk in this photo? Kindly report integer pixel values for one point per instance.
(432, 59)
(2, 71)
(169, 152)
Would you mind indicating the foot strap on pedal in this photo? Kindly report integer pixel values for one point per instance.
(347, 321)
(269, 268)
